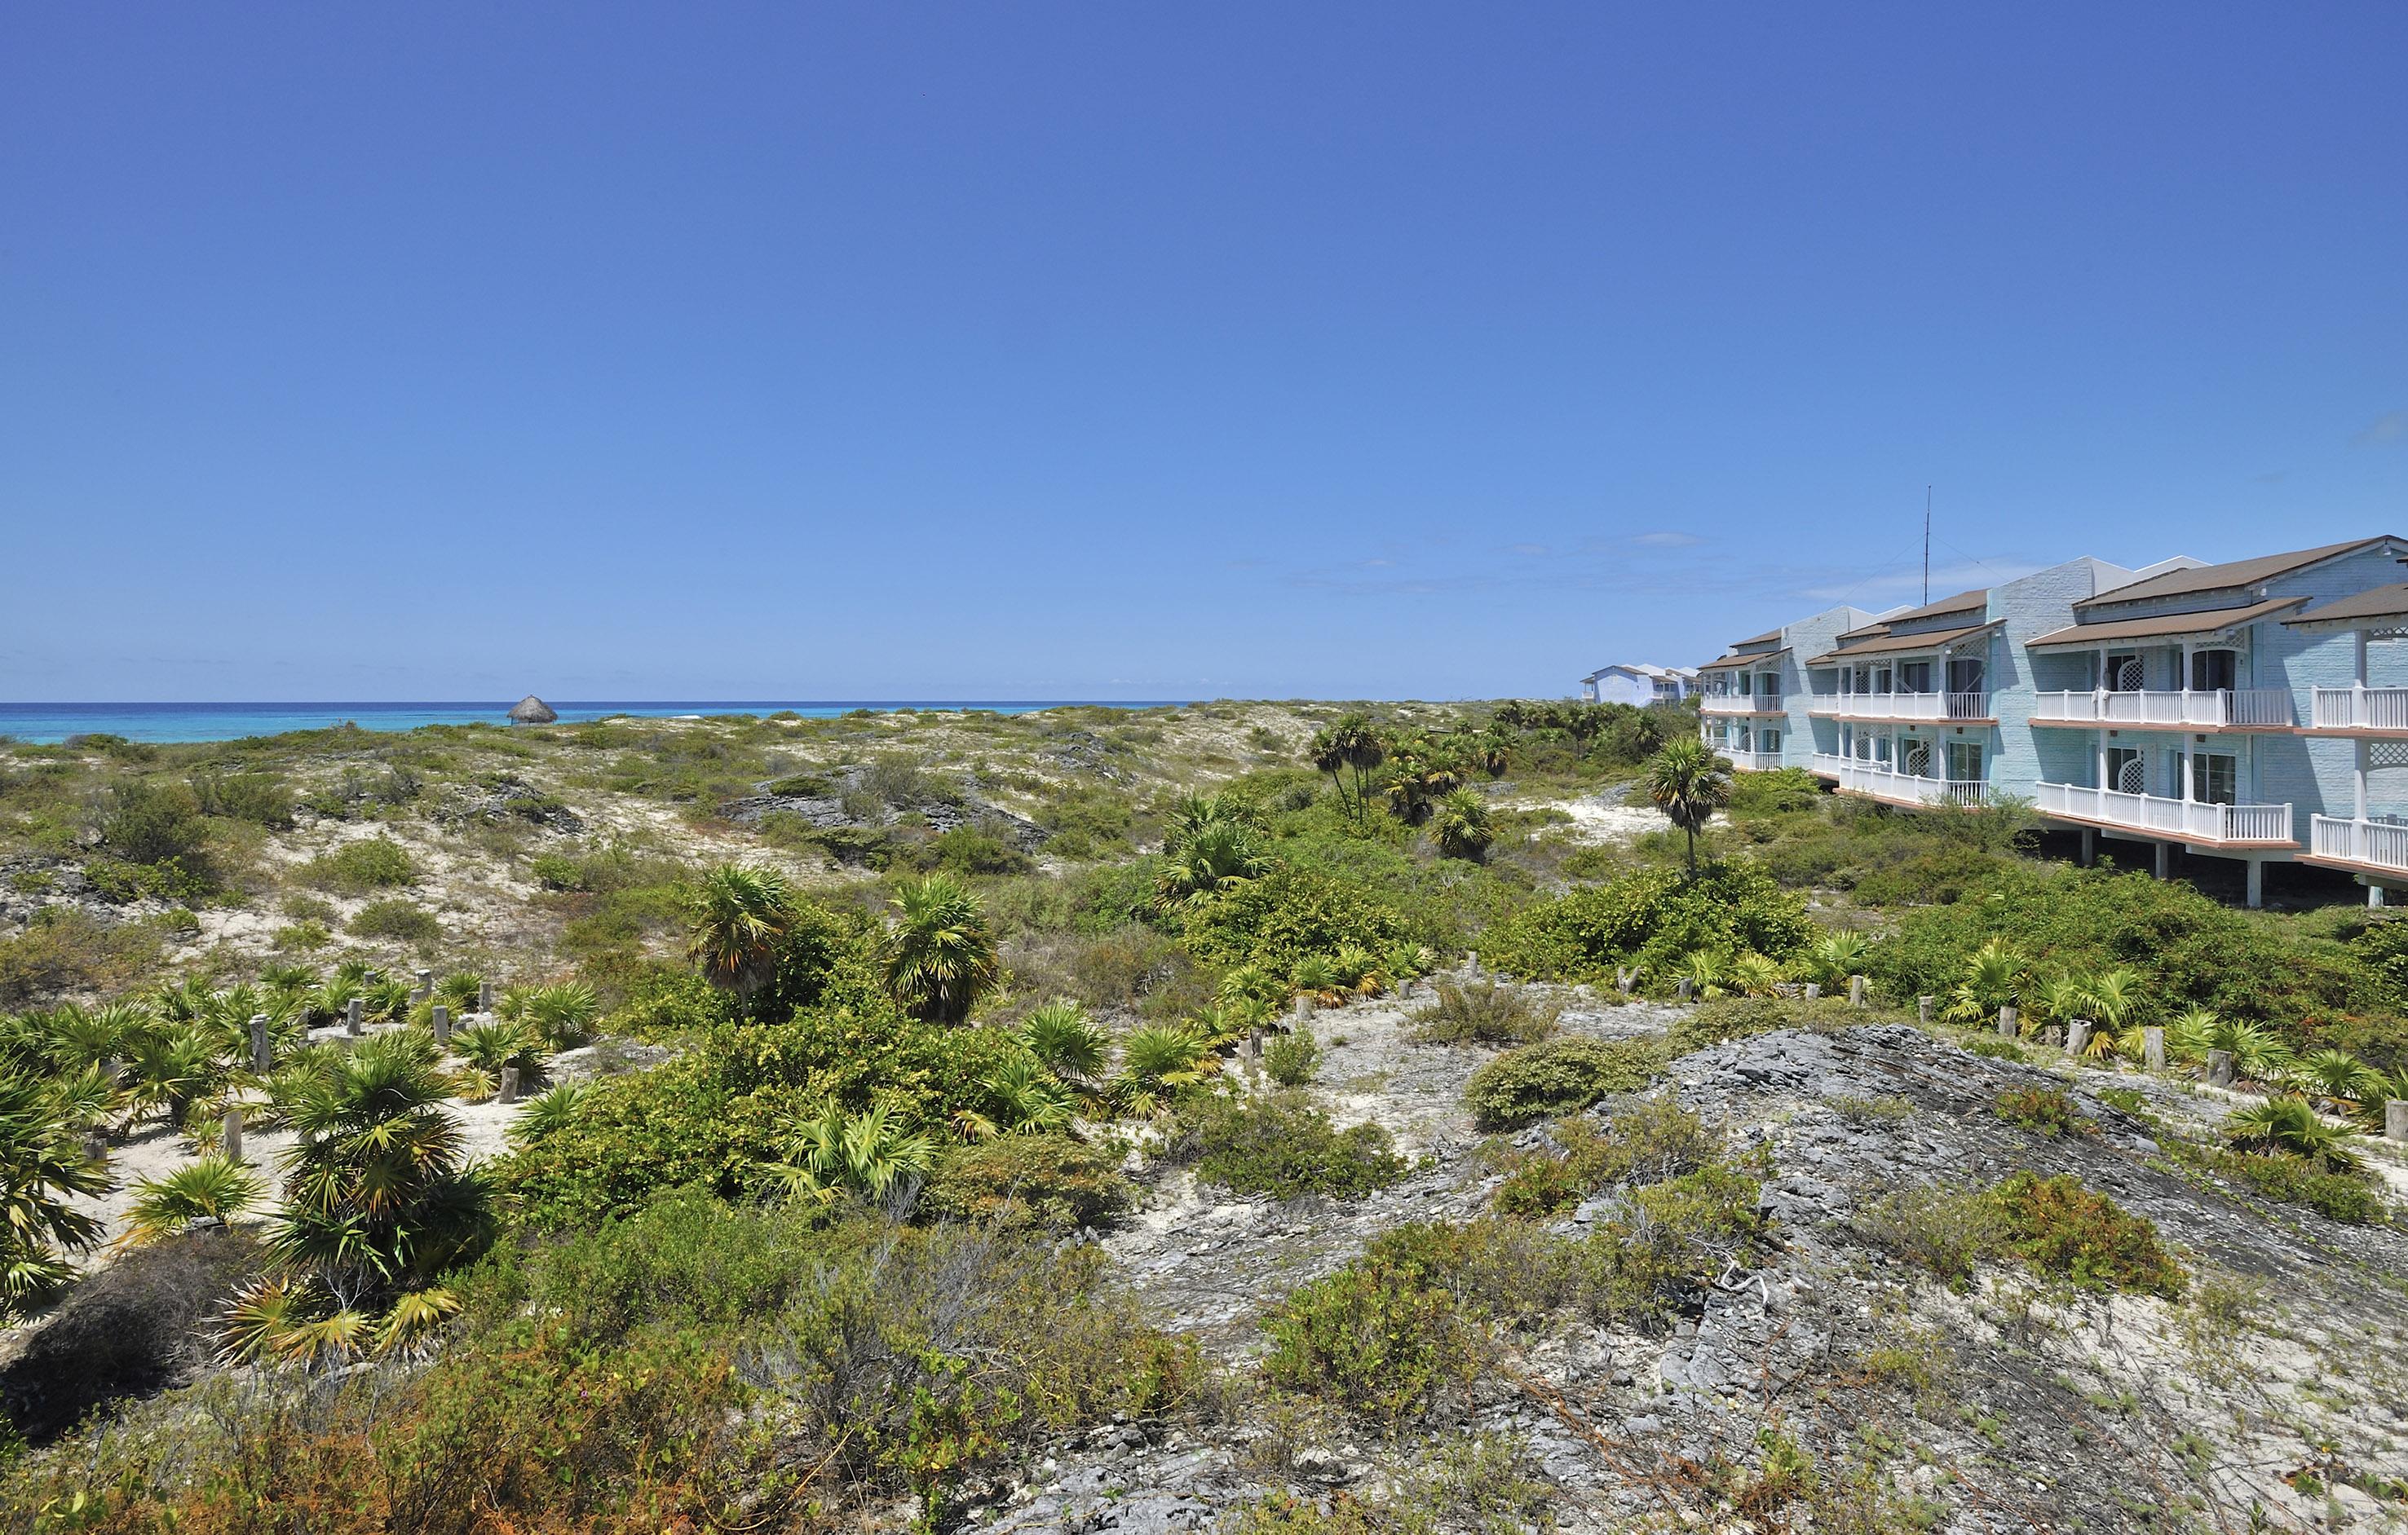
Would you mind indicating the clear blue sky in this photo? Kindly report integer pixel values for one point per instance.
(1036, 350)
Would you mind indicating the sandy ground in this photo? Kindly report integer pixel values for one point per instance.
(1602, 819)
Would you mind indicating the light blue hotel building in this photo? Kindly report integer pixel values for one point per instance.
(2255, 710)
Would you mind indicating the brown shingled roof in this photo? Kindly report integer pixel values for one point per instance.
(1896, 645)
(1737, 663)
(2237, 573)
(2389, 601)
(2164, 626)
(1765, 638)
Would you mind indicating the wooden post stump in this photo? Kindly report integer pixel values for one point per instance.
(2219, 1068)
(1681, 988)
(259, 1055)
(1855, 991)
(2153, 1047)
(509, 1085)
(2010, 1022)
(230, 1138)
(353, 1011)
(484, 996)
(1813, 989)
(1923, 1010)
(441, 1019)
(2395, 1118)
(2077, 1037)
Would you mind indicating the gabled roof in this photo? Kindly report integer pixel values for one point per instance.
(2236, 573)
(1740, 663)
(1976, 600)
(2389, 601)
(1768, 637)
(2165, 626)
(1895, 645)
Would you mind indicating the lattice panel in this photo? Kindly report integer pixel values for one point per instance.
(2387, 754)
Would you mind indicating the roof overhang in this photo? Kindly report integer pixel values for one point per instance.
(1740, 664)
(2165, 628)
(1904, 645)
(2383, 607)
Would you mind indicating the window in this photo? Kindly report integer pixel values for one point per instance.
(1965, 761)
(1965, 675)
(1746, 679)
(1914, 676)
(1881, 750)
(2213, 671)
(2126, 773)
(1881, 679)
(1767, 740)
(1916, 758)
(2214, 778)
(2123, 671)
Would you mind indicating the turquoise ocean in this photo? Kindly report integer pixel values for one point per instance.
(52, 722)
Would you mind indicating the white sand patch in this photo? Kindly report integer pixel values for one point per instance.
(1594, 821)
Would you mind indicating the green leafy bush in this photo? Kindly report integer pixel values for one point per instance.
(355, 868)
(1384, 1335)
(395, 918)
(555, 872)
(2062, 1227)
(1293, 1060)
(1652, 918)
(1282, 1146)
(2352, 1199)
(1482, 1013)
(1050, 1181)
(1645, 1143)
(1291, 914)
(1559, 1076)
(261, 798)
(2043, 1111)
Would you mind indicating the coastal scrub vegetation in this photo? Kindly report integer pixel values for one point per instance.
(843, 1037)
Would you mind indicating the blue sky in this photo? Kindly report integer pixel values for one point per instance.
(1036, 350)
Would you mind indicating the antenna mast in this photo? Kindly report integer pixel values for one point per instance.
(1927, 546)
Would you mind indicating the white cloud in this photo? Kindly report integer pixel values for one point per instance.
(1666, 540)
(2389, 427)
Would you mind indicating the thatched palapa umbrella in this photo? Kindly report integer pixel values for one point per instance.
(532, 710)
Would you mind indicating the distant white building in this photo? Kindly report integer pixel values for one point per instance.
(1636, 682)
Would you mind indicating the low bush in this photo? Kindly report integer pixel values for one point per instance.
(2043, 1111)
(1050, 1181)
(1559, 1076)
(1943, 1232)
(1645, 1143)
(2352, 1199)
(1384, 1335)
(1652, 918)
(1485, 1013)
(261, 798)
(1293, 1060)
(395, 918)
(1280, 1144)
(2063, 1228)
(356, 868)
(1293, 914)
(64, 949)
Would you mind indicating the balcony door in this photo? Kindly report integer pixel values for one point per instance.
(1915, 758)
(2212, 672)
(1767, 740)
(2214, 778)
(1965, 675)
(2126, 773)
(2123, 673)
(1914, 676)
(1965, 761)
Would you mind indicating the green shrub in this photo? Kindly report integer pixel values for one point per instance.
(64, 949)
(2063, 1228)
(1291, 914)
(1050, 1181)
(1559, 1076)
(395, 918)
(261, 798)
(2043, 1111)
(967, 850)
(1384, 1335)
(1943, 1232)
(1483, 1013)
(372, 863)
(1280, 1144)
(154, 823)
(1645, 1143)
(308, 937)
(2352, 1199)
(555, 872)
(1654, 919)
(1293, 1060)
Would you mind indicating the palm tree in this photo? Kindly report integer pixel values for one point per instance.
(377, 1202)
(563, 1012)
(214, 1190)
(1158, 1060)
(1460, 827)
(735, 917)
(1424, 772)
(1065, 1041)
(1688, 783)
(837, 1156)
(2337, 1076)
(1993, 979)
(1835, 956)
(1212, 856)
(42, 1168)
(2112, 996)
(1493, 751)
(1353, 743)
(941, 954)
(2285, 1123)
(548, 1112)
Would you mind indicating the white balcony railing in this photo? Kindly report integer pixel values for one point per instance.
(1740, 704)
(2193, 820)
(1901, 705)
(2382, 844)
(1754, 761)
(2226, 708)
(1878, 781)
(2361, 708)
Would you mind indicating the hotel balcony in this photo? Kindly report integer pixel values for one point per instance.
(1974, 707)
(1875, 781)
(1740, 704)
(2219, 709)
(2194, 822)
(2366, 846)
(1753, 761)
(2360, 711)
